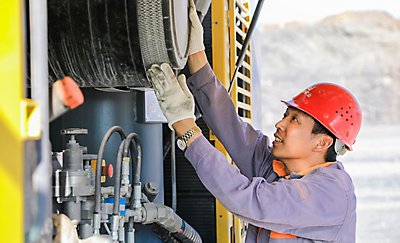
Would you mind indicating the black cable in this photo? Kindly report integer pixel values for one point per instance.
(117, 180)
(128, 144)
(100, 154)
(136, 175)
(166, 148)
(246, 42)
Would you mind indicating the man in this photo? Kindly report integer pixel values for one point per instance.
(294, 191)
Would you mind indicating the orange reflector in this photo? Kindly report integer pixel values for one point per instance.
(69, 92)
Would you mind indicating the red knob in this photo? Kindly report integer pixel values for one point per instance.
(108, 170)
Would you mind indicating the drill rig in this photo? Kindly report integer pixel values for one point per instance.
(73, 163)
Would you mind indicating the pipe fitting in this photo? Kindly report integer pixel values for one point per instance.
(169, 220)
(137, 195)
(114, 227)
(165, 216)
(125, 170)
(96, 223)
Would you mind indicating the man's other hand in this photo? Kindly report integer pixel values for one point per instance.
(196, 30)
(172, 93)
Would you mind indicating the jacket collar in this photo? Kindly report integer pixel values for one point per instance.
(279, 169)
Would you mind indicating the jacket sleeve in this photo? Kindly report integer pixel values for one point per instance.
(313, 207)
(248, 148)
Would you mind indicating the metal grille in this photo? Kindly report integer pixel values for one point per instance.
(151, 32)
(241, 92)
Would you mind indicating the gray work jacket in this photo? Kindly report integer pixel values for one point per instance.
(317, 207)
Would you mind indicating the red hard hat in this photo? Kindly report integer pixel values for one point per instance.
(334, 107)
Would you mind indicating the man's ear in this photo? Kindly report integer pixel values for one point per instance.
(323, 142)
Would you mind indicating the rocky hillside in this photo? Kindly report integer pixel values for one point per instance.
(360, 50)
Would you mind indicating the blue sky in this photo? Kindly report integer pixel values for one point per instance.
(281, 11)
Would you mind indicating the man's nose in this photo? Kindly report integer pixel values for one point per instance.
(280, 125)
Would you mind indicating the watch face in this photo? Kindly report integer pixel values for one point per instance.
(181, 144)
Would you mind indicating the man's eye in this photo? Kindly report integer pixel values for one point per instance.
(294, 118)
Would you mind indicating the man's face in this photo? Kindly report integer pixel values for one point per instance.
(293, 138)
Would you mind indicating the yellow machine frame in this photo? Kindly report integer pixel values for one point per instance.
(230, 23)
(19, 121)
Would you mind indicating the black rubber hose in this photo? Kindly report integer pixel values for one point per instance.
(164, 235)
(138, 142)
(189, 234)
(98, 164)
(117, 180)
(136, 173)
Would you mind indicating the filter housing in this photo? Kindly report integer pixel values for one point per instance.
(110, 44)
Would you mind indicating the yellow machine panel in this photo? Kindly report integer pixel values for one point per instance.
(12, 119)
(231, 20)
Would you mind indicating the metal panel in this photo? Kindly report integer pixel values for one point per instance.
(220, 55)
(149, 110)
(11, 122)
(103, 110)
(220, 41)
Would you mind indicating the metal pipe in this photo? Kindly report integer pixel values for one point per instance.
(173, 171)
(246, 42)
(41, 178)
(97, 203)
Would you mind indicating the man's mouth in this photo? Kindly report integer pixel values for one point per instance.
(278, 140)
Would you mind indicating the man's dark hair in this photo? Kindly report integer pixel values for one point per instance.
(318, 128)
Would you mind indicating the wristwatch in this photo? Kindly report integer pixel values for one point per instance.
(182, 141)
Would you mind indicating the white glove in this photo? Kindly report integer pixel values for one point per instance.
(196, 30)
(172, 93)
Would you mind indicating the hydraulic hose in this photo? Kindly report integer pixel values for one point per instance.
(117, 180)
(169, 220)
(188, 234)
(97, 203)
(138, 142)
(117, 193)
(137, 170)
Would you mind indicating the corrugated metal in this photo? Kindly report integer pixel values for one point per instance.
(194, 204)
